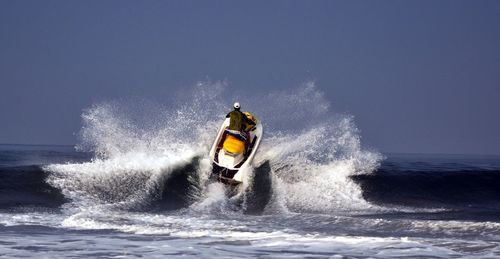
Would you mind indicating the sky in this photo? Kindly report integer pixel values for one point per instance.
(418, 76)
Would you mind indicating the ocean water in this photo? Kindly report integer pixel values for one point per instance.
(410, 206)
(136, 185)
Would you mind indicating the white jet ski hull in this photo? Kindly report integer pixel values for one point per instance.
(230, 168)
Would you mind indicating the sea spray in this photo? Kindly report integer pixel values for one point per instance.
(311, 151)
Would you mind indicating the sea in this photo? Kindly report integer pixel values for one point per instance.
(56, 202)
(136, 186)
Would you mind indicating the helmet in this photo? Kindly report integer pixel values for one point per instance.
(236, 105)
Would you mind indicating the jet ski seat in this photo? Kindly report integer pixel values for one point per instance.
(233, 145)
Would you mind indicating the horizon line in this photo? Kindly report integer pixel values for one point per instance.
(383, 152)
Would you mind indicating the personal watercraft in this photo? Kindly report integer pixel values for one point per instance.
(232, 152)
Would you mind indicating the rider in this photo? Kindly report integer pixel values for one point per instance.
(238, 122)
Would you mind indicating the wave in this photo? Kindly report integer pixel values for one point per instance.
(180, 186)
(304, 163)
(447, 188)
(143, 184)
(26, 187)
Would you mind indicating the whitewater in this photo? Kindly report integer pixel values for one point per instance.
(137, 185)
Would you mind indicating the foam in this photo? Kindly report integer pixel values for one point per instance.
(197, 231)
(31, 218)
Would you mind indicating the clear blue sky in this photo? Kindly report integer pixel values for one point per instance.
(419, 76)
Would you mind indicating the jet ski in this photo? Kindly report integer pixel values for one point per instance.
(232, 153)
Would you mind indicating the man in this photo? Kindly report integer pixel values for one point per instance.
(238, 122)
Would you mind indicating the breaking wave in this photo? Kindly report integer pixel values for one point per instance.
(306, 158)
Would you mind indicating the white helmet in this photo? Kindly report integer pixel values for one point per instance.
(236, 105)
